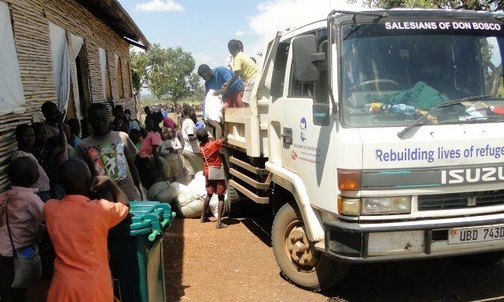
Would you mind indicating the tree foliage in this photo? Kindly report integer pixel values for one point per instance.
(488, 5)
(138, 77)
(164, 72)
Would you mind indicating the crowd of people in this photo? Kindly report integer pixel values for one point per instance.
(57, 176)
(77, 188)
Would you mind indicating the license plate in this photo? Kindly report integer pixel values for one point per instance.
(475, 234)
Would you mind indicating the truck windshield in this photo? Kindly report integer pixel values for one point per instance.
(393, 73)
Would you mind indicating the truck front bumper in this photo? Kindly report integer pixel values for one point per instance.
(385, 241)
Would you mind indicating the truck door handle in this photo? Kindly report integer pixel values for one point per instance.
(287, 136)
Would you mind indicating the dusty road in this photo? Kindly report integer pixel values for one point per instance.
(237, 264)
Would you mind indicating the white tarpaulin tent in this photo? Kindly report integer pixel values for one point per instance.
(77, 43)
(61, 64)
(61, 68)
(11, 89)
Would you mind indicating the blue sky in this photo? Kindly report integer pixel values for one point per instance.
(203, 28)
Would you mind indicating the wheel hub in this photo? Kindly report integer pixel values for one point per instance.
(299, 247)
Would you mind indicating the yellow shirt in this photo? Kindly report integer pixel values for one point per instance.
(245, 65)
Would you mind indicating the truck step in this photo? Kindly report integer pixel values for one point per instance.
(247, 166)
(246, 192)
(254, 183)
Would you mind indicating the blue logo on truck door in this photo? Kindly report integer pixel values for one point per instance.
(303, 126)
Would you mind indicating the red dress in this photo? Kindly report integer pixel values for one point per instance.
(211, 157)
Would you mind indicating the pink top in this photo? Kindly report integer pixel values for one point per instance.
(43, 182)
(25, 214)
(153, 139)
(168, 122)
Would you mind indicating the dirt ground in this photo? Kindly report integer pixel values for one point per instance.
(237, 264)
(232, 264)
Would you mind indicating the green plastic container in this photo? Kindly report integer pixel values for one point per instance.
(136, 252)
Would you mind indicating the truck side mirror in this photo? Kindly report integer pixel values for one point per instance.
(304, 51)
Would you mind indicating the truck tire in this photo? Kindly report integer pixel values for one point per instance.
(297, 258)
(232, 194)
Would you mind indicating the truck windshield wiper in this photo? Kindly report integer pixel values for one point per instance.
(352, 31)
(416, 122)
(378, 15)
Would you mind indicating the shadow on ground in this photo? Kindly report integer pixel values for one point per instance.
(433, 280)
(437, 280)
(173, 253)
(258, 218)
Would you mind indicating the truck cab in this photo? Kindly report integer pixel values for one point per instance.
(376, 136)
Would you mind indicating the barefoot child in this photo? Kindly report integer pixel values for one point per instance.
(211, 157)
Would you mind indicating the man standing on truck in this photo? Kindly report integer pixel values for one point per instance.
(216, 78)
(243, 67)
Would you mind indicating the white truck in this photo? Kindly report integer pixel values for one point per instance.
(376, 136)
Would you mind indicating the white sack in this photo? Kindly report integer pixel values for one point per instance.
(213, 107)
(189, 204)
(180, 187)
(197, 185)
(162, 192)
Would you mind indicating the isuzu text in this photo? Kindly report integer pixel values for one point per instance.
(376, 136)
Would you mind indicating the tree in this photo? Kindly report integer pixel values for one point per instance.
(196, 89)
(488, 5)
(137, 76)
(164, 72)
(143, 63)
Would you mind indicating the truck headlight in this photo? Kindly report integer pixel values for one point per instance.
(349, 206)
(386, 205)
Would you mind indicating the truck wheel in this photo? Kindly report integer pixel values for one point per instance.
(297, 258)
(481, 259)
(232, 194)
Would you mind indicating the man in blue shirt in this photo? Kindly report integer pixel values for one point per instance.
(216, 78)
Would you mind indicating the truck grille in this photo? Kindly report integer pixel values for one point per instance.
(460, 200)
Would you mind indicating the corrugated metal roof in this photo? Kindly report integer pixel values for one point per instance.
(113, 14)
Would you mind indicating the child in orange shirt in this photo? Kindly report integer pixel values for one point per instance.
(78, 228)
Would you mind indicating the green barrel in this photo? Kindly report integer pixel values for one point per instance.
(136, 252)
